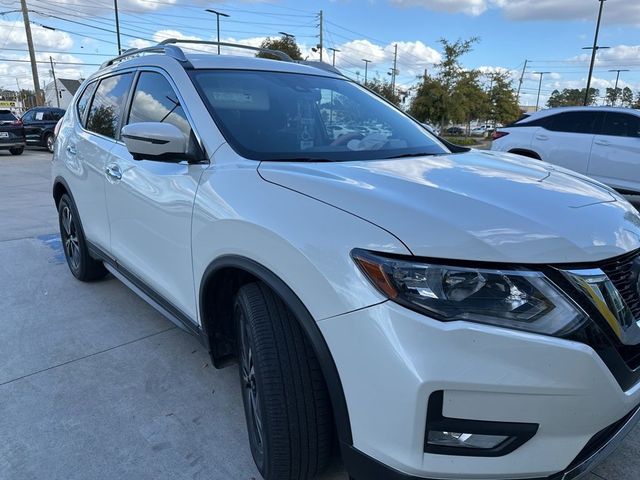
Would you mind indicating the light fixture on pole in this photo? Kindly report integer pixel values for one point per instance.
(542, 74)
(218, 15)
(366, 67)
(615, 89)
(594, 51)
(288, 35)
(334, 50)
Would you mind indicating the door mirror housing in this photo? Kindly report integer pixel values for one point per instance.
(157, 141)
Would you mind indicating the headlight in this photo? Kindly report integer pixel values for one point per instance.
(522, 300)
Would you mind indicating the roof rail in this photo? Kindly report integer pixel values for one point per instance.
(277, 53)
(171, 50)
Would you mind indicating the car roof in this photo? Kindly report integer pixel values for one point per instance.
(553, 111)
(202, 61)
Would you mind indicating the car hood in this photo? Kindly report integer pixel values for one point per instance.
(482, 206)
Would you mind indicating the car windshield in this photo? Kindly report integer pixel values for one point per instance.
(7, 116)
(300, 117)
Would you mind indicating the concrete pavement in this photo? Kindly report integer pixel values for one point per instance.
(95, 384)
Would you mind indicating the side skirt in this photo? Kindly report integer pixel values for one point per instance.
(148, 294)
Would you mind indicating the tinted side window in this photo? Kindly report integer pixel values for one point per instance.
(573, 122)
(621, 125)
(108, 103)
(28, 117)
(84, 100)
(155, 101)
(48, 116)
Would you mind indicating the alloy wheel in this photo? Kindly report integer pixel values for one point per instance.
(70, 238)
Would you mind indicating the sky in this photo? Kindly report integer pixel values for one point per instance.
(550, 34)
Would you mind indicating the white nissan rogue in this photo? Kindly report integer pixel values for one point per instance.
(433, 311)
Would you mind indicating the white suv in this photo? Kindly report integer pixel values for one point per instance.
(602, 142)
(435, 312)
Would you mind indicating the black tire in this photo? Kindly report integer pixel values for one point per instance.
(48, 142)
(16, 150)
(283, 389)
(81, 264)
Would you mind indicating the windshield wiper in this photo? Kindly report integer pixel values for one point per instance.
(406, 155)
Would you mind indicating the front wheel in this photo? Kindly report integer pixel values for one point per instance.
(16, 150)
(49, 141)
(286, 403)
(76, 251)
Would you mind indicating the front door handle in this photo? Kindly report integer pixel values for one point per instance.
(542, 137)
(113, 172)
(71, 149)
(604, 143)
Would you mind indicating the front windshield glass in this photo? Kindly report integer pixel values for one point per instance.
(299, 117)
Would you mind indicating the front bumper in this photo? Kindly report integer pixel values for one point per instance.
(391, 359)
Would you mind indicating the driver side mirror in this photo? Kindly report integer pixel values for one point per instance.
(157, 141)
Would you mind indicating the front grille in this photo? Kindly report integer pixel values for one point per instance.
(623, 273)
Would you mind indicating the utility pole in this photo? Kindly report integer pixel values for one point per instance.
(524, 70)
(615, 89)
(22, 101)
(115, 5)
(320, 45)
(334, 50)
(542, 74)
(395, 69)
(366, 67)
(32, 53)
(218, 15)
(593, 54)
(55, 83)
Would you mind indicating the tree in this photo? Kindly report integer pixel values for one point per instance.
(285, 43)
(627, 97)
(612, 95)
(384, 89)
(454, 93)
(502, 98)
(570, 97)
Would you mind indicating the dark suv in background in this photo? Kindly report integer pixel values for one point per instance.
(12, 136)
(39, 124)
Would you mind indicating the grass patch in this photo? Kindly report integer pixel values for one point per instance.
(462, 141)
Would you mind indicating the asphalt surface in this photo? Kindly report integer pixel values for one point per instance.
(95, 384)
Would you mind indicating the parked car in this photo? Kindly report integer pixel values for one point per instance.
(39, 124)
(438, 311)
(479, 131)
(431, 128)
(11, 133)
(454, 131)
(601, 142)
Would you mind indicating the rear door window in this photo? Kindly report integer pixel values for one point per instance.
(84, 100)
(621, 125)
(108, 104)
(574, 122)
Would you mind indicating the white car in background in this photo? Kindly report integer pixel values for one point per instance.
(601, 142)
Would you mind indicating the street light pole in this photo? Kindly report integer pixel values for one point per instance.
(218, 15)
(615, 89)
(366, 66)
(334, 50)
(593, 53)
(542, 74)
(115, 6)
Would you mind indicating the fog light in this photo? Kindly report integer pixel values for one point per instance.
(471, 438)
(465, 440)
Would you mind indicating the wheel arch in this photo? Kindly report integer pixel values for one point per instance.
(222, 278)
(60, 187)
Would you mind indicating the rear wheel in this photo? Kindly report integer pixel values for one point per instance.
(286, 402)
(16, 150)
(48, 141)
(76, 251)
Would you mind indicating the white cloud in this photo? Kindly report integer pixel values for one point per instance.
(615, 11)
(470, 7)
(14, 36)
(617, 55)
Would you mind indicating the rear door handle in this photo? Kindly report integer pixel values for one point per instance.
(604, 143)
(113, 172)
(71, 149)
(542, 137)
